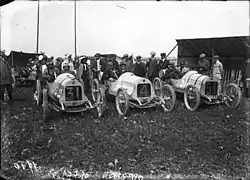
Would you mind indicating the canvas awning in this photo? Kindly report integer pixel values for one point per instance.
(17, 58)
(224, 47)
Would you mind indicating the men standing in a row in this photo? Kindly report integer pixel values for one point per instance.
(139, 68)
(152, 67)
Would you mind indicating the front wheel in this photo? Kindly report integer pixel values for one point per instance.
(157, 84)
(122, 102)
(191, 97)
(46, 110)
(233, 95)
(95, 89)
(169, 98)
(101, 102)
(38, 93)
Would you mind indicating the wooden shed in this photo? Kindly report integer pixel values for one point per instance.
(231, 50)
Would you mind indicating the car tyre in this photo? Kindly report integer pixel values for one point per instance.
(101, 102)
(38, 93)
(157, 84)
(46, 110)
(95, 89)
(171, 92)
(191, 89)
(231, 97)
(125, 101)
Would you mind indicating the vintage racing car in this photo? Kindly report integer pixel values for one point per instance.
(197, 87)
(63, 92)
(135, 92)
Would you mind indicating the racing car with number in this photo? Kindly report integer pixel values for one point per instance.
(132, 91)
(63, 92)
(199, 88)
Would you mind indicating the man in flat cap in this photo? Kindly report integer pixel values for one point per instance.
(139, 68)
(203, 64)
(217, 68)
(152, 69)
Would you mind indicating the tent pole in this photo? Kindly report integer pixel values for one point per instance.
(37, 28)
(75, 26)
(172, 50)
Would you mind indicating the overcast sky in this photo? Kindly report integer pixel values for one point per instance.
(104, 27)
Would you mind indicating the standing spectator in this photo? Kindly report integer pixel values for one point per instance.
(246, 78)
(163, 63)
(6, 79)
(152, 71)
(203, 64)
(84, 72)
(217, 71)
(98, 67)
(129, 64)
(139, 69)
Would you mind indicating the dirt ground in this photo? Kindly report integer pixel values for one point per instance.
(209, 143)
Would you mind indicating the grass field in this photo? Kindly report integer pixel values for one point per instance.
(211, 143)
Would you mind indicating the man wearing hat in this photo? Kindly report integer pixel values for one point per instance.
(139, 69)
(98, 66)
(128, 61)
(151, 65)
(6, 78)
(203, 64)
(163, 63)
(83, 71)
(217, 68)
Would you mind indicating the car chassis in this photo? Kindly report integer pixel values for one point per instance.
(132, 91)
(63, 92)
(197, 87)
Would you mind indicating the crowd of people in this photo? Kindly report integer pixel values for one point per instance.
(86, 68)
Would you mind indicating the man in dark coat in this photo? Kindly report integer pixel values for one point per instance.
(203, 64)
(151, 65)
(139, 69)
(163, 63)
(6, 78)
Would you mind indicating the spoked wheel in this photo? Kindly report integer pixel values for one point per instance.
(169, 98)
(122, 102)
(46, 110)
(101, 102)
(95, 89)
(233, 95)
(191, 98)
(38, 93)
(157, 83)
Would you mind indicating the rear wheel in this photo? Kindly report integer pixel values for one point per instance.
(157, 84)
(191, 97)
(95, 89)
(169, 98)
(122, 102)
(101, 102)
(233, 95)
(46, 110)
